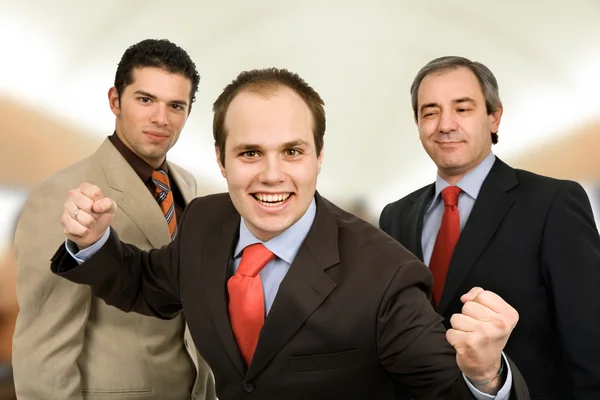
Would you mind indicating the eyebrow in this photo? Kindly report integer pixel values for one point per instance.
(295, 143)
(455, 101)
(245, 147)
(153, 97)
(464, 100)
(253, 147)
(428, 105)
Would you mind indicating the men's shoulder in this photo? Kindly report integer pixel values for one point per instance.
(43, 206)
(184, 173)
(399, 205)
(539, 185)
(211, 208)
(67, 178)
(357, 235)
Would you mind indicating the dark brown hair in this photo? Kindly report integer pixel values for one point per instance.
(156, 53)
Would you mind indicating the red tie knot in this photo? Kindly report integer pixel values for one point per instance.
(254, 258)
(450, 195)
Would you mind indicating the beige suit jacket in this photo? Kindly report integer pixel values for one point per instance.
(68, 344)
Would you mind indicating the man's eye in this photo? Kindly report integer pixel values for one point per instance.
(292, 152)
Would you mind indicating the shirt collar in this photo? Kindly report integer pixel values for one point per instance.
(141, 168)
(285, 245)
(470, 183)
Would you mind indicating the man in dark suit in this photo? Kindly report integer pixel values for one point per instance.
(346, 306)
(529, 238)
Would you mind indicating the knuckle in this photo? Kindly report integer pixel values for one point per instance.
(472, 341)
(453, 319)
(468, 307)
(485, 295)
(503, 325)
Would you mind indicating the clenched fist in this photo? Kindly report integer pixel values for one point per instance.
(86, 215)
(479, 335)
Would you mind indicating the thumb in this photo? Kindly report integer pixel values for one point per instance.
(104, 205)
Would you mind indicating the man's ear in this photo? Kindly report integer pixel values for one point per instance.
(113, 101)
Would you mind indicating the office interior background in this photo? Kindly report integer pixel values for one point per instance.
(59, 59)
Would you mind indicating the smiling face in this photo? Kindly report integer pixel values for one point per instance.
(271, 163)
(151, 112)
(454, 126)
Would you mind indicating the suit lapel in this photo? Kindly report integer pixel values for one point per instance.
(414, 222)
(491, 206)
(303, 289)
(135, 199)
(215, 261)
(187, 189)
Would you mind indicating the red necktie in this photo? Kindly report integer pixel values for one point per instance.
(246, 299)
(445, 242)
(164, 197)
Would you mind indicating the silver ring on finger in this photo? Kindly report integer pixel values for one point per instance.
(76, 213)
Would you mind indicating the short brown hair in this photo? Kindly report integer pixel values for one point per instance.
(267, 81)
(487, 81)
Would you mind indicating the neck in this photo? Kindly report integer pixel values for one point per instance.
(153, 162)
(454, 175)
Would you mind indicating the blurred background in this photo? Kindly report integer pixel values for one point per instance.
(59, 59)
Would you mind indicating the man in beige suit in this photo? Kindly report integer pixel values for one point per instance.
(67, 344)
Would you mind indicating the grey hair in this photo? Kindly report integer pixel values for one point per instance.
(487, 80)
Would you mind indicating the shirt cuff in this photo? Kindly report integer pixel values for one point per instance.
(503, 393)
(83, 255)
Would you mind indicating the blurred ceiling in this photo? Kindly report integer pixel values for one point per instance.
(60, 57)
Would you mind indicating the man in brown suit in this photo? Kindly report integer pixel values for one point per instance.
(346, 306)
(69, 344)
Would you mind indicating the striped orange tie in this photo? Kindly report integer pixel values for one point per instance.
(164, 197)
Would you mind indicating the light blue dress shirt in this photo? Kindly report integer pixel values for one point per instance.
(285, 246)
(470, 185)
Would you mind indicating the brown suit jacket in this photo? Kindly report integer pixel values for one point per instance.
(70, 345)
(352, 311)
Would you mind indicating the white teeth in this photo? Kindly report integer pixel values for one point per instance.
(274, 199)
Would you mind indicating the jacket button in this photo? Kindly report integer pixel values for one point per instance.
(247, 387)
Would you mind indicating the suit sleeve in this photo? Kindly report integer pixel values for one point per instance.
(50, 327)
(126, 277)
(571, 259)
(384, 218)
(412, 341)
